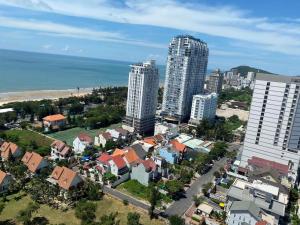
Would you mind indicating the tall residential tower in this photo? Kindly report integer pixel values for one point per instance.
(142, 97)
(185, 76)
(215, 82)
(273, 130)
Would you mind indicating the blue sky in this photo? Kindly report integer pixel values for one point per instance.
(264, 34)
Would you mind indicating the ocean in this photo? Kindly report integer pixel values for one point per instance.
(25, 71)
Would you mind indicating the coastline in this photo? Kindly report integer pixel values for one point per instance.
(36, 95)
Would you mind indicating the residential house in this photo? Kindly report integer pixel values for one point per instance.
(118, 133)
(139, 150)
(204, 210)
(5, 180)
(103, 162)
(81, 142)
(120, 152)
(56, 121)
(169, 155)
(271, 200)
(144, 172)
(243, 212)
(10, 150)
(65, 178)
(178, 147)
(34, 162)
(118, 165)
(145, 145)
(60, 151)
(131, 158)
(102, 139)
(162, 165)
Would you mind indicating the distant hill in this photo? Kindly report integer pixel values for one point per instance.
(243, 70)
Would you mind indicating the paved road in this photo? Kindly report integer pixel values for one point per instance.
(131, 200)
(179, 207)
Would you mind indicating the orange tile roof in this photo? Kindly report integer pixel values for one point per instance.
(32, 160)
(64, 176)
(131, 156)
(2, 176)
(150, 140)
(8, 149)
(119, 152)
(178, 146)
(55, 117)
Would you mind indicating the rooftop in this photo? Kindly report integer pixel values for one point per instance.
(277, 78)
(246, 206)
(55, 117)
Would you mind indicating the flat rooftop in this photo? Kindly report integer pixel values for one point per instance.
(277, 78)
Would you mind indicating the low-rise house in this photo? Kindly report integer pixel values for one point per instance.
(118, 166)
(34, 162)
(120, 152)
(131, 158)
(144, 172)
(56, 121)
(243, 212)
(179, 148)
(118, 133)
(103, 162)
(169, 155)
(60, 151)
(145, 145)
(81, 142)
(139, 150)
(5, 180)
(10, 150)
(272, 200)
(65, 178)
(204, 210)
(102, 139)
(162, 165)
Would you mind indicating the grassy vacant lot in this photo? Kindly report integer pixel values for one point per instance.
(25, 137)
(70, 134)
(105, 206)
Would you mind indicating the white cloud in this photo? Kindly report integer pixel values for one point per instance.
(62, 30)
(226, 22)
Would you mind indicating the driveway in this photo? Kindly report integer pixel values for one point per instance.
(179, 207)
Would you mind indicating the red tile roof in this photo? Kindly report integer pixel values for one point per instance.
(261, 222)
(119, 161)
(61, 147)
(106, 135)
(32, 160)
(150, 140)
(119, 152)
(53, 118)
(256, 161)
(85, 137)
(104, 158)
(131, 156)
(2, 176)
(149, 164)
(178, 146)
(64, 176)
(8, 149)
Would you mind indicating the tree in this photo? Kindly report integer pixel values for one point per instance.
(176, 220)
(110, 219)
(93, 191)
(133, 218)
(2, 206)
(85, 211)
(198, 200)
(153, 198)
(25, 215)
(174, 187)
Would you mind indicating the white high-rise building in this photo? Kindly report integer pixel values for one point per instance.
(251, 76)
(203, 107)
(185, 76)
(143, 86)
(273, 130)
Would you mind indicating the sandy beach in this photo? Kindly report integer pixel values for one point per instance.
(41, 94)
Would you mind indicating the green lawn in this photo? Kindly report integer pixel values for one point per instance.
(70, 134)
(105, 206)
(24, 137)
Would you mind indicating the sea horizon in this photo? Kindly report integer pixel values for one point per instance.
(36, 71)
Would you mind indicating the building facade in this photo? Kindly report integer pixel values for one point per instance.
(185, 76)
(143, 86)
(203, 107)
(215, 82)
(273, 130)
